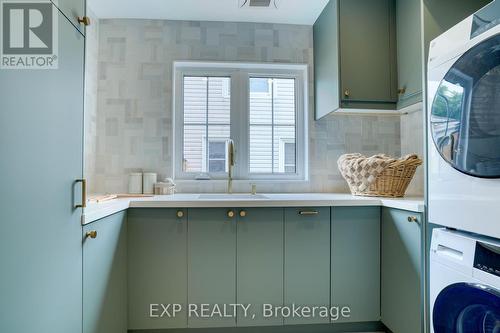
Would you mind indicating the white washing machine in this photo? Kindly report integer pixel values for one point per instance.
(464, 125)
(464, 283)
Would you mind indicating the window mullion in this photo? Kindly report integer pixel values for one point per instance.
(239, 121)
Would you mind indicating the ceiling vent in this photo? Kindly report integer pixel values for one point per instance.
(259, 3)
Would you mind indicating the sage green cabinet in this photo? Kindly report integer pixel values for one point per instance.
(401, 270)
(307, 260)
(41, 135)
(368, 71)
(326, 61)
(409, 49)
(356, 262)
(72, 9)
(105, 275)
(259, 263)
(212, 262)
(355, 56)
(157, 266)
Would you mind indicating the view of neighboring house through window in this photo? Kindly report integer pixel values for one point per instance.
(272, 125)
(261, 111)
(207, 104)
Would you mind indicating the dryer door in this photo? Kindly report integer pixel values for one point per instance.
(467, 308)
(465, 115)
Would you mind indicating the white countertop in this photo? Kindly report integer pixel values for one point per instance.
(96, 211)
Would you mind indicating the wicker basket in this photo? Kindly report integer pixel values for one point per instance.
(393, 181)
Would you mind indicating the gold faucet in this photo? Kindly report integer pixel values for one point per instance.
(230, 155)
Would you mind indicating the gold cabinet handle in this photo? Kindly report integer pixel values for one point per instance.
(347, 92)
(84, 193)
(91, 234)
(308, 212)
(180, 214)
(402, 91)
(412, 219)
(85, 20)
(230, 214)
(243, 213)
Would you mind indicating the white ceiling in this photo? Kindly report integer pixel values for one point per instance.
(289, 11)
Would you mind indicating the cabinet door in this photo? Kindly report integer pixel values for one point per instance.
(356, 262)
(72, 9)
(260, 263)
(41, 135)
(211, 263)
(105, 276)
(307, 260)
(401, 267)
(326, 61)
(409, 51)
(157, 266)
(367, 51)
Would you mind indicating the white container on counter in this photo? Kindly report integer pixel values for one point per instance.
(135, 183)
(149, 180)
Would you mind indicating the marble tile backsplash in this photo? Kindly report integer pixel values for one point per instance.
(134, 100)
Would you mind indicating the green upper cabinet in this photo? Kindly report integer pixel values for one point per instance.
(72, 9)
(409, 41)
(212, 262)
(307, 260)
(367, 55)
(355, 56)
(260, 263)
(105, 275)
(401, 270)
(157, 266)
(368, 77)
(326, 61)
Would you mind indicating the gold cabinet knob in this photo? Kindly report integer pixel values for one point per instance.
(180, 214)
(347, 92)
(412, 219)
(243, 213)
(92, 234)
(85, 20)
(402, 91)
(230, 214)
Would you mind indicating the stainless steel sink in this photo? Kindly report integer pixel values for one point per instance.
(232, 197)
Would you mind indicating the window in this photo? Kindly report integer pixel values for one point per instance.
(259, 107)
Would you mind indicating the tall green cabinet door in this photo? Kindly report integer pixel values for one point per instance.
(409, 42)
(41, 135)
(157, 267)
(259, 264)
(401, 270)
(356, 262)
(326, 61)
(307, 260)
(105, 275)
(211, 263)
(367, 53)
(73, 9)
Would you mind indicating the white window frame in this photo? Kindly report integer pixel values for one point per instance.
(240, 128)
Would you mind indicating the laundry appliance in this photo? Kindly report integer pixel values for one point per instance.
(464, 283)
(464, 125)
